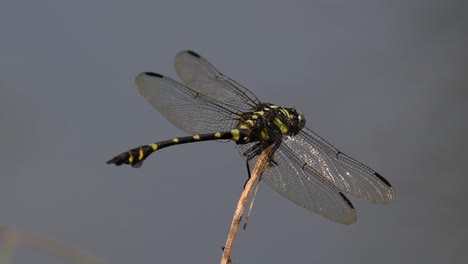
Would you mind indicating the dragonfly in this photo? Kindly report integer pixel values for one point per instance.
(304, 167)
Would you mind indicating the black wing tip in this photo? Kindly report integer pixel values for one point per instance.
(153, 74)
(351, 217)
(193, 53)
(346, 200)
(381, 178)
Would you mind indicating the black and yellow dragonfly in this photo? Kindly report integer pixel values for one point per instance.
(305, 168)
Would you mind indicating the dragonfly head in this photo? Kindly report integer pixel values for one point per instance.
(298, 121)
(301, 120)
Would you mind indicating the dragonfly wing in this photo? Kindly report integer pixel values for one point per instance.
(185, 108)
(198, 74)
(305, 186)
(347, 174)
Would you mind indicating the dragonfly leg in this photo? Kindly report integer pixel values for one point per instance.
(271, 158)
(256, 150)
(248, 172)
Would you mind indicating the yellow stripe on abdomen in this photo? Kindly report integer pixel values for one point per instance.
(140, 154)
(235, 134)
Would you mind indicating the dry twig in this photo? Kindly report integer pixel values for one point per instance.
(260, 167)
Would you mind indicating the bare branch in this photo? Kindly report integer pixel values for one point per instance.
(260, 167)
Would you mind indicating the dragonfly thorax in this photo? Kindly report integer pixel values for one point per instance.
(269, 123)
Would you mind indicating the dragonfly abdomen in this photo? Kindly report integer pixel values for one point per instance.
(136, 156)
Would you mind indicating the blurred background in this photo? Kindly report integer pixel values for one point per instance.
(386, 82)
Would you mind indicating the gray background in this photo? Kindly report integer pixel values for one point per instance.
(385, 81)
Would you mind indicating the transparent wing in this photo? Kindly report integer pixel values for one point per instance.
(198, 74)
(305, 187)
(347, 174)
(185, 108)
